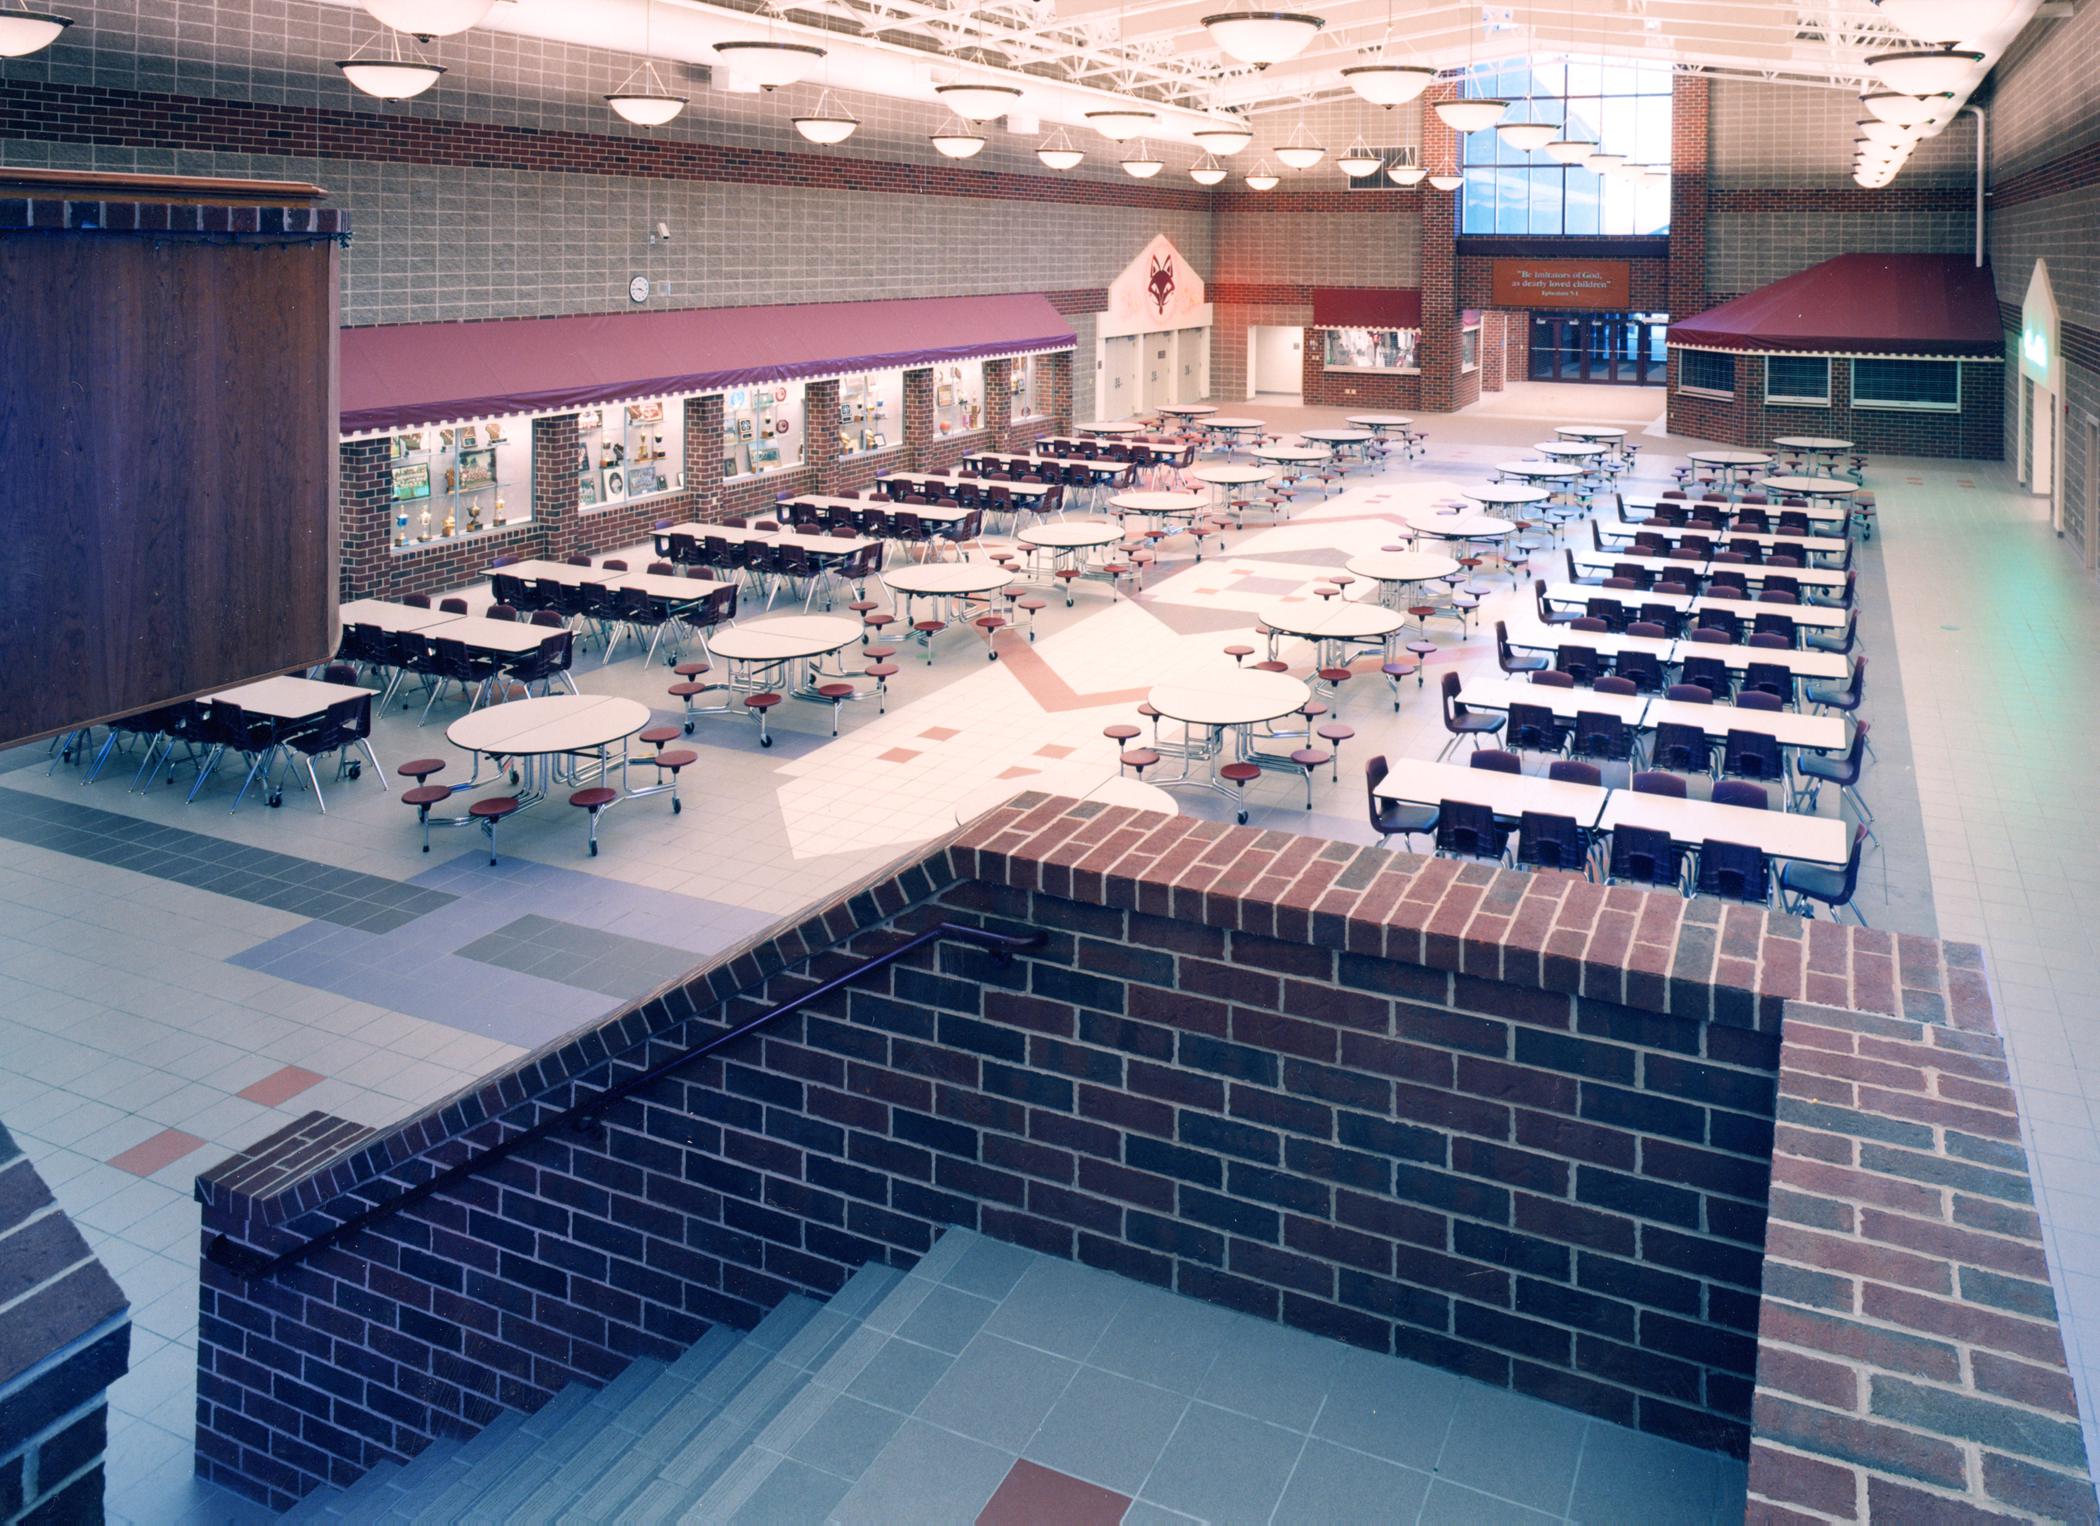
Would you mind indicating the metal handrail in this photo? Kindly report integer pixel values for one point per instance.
(245, 1261)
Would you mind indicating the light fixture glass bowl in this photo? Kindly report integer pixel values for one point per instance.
(1894, 106)
(1446, 182)
(1060, 158)
(390, 79)
(827, 122)
(769, 65)
(25, 32)
(1527, 136)
(1944, 20)
(1359, 162)
(430, 18)
(1207, 171)
(1388, 84)
(957, 141)
(1301, 156)
(1568, 150)
(1874, 130)
(978, 103)
(1262, 38)
(1121, 123)
(1406, 174)
(1142, 163)
(1262, 178)
(1604, 164)
(1474, 114)
(1226, 138)
(1929, 72)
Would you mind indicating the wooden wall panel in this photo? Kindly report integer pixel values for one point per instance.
(167, 469)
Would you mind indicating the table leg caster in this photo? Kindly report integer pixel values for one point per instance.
(765, 741)
(1242, 818)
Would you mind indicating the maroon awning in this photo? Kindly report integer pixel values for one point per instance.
(397, 376)
(1862, 304)
(1367, 307)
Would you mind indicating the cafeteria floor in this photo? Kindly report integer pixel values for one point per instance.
(150, 1025)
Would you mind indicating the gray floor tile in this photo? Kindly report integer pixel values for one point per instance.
(1223, 1467)
(794, 1495)
(1108, 1430)
(925, 1476)
(1334, 1485)
(1144, 1513)
(998, 1391)
(1272, 1373)
(1165, 1339)
(1060, 1306)
(1395, 1409)
(1629, 1478)
(1513, 1446)
(946, 1319)
(1450, 1505)
(847, 1437)
(989, 1268)
(899, 1375)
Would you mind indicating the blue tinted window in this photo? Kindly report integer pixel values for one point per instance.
(1624, 107)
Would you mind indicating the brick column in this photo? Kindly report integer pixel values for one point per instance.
(703, 456)
(1494, 339)
(1688, 171)
(1439, 258)
(999, 402)
(918, 418)
(820, 440)
(364, 497)
(555, 502)
(1054, 376)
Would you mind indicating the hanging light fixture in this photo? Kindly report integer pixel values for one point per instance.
(1224, 136)
(769, 64)
(1057, 151)
(1471, 114)
(826, 122)
(1903, 110)
(25, 32)
(1120, 124)
(979, 102)
(1569, 147)
(1359, 161)
(1932, 72)
(1527, 133)
(1262, 38)
(1299, 151)
(430, 18)
(1604, 164)
(1207, 171)
(1446, 182)
(1945, 21)
(1262, 178)
(1141, 163)
(1388, 85)
(643, 98)
(1404, 170)
(958, 140)
(1874, 130)
(394, 75)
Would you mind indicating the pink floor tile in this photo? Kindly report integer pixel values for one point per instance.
(896, 755)
(1018, 773)
(1055, 750)
(279, 1086)
(149, 1155)
(939, 733)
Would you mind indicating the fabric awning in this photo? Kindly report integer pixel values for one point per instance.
(1923, 305)
(1367, 307)
(399, 376)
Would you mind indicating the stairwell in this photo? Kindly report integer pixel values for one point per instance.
(994, 1384)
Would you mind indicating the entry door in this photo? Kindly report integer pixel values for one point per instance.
(1119, 374)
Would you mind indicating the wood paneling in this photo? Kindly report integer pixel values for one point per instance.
(167, 470)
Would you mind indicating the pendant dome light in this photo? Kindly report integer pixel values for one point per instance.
(1299, 151)
(1207, 171)
(958, 140)
(1358, 161)
(1527, 133)
(1262, 38)
(979, 102)
(1903, 110)
(430, 18)
(1874, 130)
(1470, 114)
(1405, 171)
(1931, 72)
(1944, 21)
(1446, 182)
(1121, 123)
(25, 32)
(1057, 152)
(1388, 85)
(1604, 164)
(1224, 135)
(1262, 178)
(643, 98)
(395, 75)
(1141, 163)
(769, 64)
(1570, 147)
(827, 123)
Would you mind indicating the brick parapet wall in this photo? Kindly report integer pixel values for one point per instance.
(1515, 1124)
(1910, 1367)
(65, 1337)
(1976, 433)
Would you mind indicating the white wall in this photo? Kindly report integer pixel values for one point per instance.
(1277, 360)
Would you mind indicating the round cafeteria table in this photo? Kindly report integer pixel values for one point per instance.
(1730, 458)
(1187, 410)
(1223, 706)
(1333, 626)
(536, 734)
(1292, 455)
(1810, 487)
(1071, 543)
(1109, 427)
(1112, 789)
(1224, 476)
(1462, 526)
(1822, 443)
(1379, 423)
(947, 584)
(1572, 450)
(1399, 569)
(1229, 429)
(1341, 437)
(1589, 431)
(1498, 495)
(760, 653)
(1152, 504)
(1539, 471)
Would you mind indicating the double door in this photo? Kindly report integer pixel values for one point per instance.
(1626, 348)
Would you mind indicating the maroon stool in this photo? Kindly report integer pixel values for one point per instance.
(594, 800)
(420, 769)
(991, 625)
(758, 705)
(1239, 776)
(838, 694)
(669, 763)
(1312, 709)
(656, 736)
(875, 621)
(1119, 733)
(1336, 676)
(926, 630)
(1311, 759)
(1334, 733)
(1239, 654)
(490, 811)
(1272, 665)
(687, 692)
(882, 672)
(1138, 759)
(692, 669)
(423, 797)
(1147, 713)
(1031, 606)
(1323, 591)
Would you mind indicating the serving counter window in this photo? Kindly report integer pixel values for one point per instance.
(460, 479)
(871, 412)
(1372, 349)
(629, 450)
(958, 397)
(761, 429)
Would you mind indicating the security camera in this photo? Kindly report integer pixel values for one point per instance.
(663, 233)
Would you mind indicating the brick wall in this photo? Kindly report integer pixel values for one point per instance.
(1975, 433)
(1441, 383)
(1690, 111)
(65, 1336)
(1360, 391)
(1516, 1125)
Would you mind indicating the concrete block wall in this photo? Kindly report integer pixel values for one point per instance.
(1517, 1125)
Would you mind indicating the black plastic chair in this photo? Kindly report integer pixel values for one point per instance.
(1800, 884)
(1644, 856)
(1535, 728)
(1394, 818)
(1462, 723)
(1602, 738)
(1466, 830)
(1580, 663)
(1682, 749)
(1818, 769)
(1734, 871)
(1509, 660)
(1744, 793)
(1547, 614)
(1709, 673)
(1847, 698)
(1651, 782)
(1546, 841)
(1496, 761)
(1752, 755)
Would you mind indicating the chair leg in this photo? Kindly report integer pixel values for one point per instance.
(315, 780)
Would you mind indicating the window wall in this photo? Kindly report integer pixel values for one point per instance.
(1623, 106)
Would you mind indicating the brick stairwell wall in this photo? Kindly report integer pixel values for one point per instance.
(1514, 1125)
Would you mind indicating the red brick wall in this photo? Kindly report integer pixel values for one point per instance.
(1648, 284)
(1442, 389)
(1976, 433)
(1685, 295)
(1361, 391)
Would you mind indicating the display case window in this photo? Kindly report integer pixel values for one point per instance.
(1934, 385)
(871, 412)
(1469, 349)
(958, 397)
(459, 480)
(761, 429)
(1031, 384)
(629, 450)
(1373, 349)
(1706, 371)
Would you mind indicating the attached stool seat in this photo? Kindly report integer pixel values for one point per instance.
(838, 694)
(490, 811)
(420, 769)
(758, 705)
(423, 797)
(1138, 759)
(594, 800)
(1239, 776)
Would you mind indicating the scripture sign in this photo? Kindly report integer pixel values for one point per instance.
(1562, 283)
